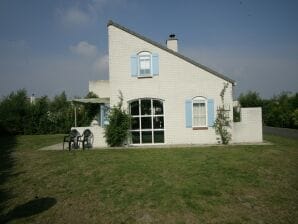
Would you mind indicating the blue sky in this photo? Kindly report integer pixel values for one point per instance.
(50, 46)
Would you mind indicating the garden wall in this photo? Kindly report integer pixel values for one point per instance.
(250, 128)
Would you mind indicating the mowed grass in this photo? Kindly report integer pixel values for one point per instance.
(231, 184)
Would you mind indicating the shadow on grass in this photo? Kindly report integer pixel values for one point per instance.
(8, 144)
(30, 208)
(7, 161)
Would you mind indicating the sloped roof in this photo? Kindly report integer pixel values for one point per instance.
(172, 52)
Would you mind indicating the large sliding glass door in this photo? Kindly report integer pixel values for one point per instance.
(147, 126)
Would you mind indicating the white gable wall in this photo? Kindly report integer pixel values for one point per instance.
(100, 87)
(177, 81)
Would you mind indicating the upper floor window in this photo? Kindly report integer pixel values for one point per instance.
(144, 64)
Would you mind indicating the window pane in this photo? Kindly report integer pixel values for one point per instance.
(146, 137)
(203, 121)
(159, 137)
(158, 123)
(199, 113)
(157, 107)
(145, 64)
(135, 137)
(144, 71)
(202, 109)
(147, 117)
(134, 108)
(146, 123)
(146, 107)
(195, 114)
(135, 123)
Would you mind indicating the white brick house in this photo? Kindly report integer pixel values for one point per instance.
(171, 98)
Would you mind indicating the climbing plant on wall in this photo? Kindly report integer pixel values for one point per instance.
(222, 122)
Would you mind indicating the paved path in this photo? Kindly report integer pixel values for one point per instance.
(54, 147)
(284, 132)
(60, 145)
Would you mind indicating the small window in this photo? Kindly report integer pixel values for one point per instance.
(145, 64)
(199, 112)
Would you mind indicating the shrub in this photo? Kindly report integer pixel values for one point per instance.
(116, 132)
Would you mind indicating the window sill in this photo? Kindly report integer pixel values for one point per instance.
(200, 128)
(145, 77)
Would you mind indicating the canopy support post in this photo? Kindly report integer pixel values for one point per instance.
(75, 113)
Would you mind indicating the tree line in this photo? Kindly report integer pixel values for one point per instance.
(44, 116)
(279, 111)
(49, 116)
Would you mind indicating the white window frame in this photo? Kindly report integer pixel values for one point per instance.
(202, 99)
(144, 53)
(152, 116)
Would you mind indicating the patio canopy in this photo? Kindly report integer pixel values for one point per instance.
(92, 100)
(89, 100)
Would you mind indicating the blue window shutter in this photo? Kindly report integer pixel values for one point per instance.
(134, 65)
(106, 115)
(210, 112)
(104, 119)
(155, 64)
(188, 113)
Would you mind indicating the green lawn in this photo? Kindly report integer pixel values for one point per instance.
(232, 184)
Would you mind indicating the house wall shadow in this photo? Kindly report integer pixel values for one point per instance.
(8, 145)
(28, 209)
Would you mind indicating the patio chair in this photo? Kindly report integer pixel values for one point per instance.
(87, 139)
(72, 139)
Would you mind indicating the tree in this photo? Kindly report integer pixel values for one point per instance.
(13, 110)
(116, 132)
(36, 118)
(250, 99)
(222, 121)
(295, 118)
(280, 110)
(60, 114)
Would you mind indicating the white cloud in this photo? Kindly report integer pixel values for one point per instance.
(85, 12)
(83, 48)
(74, 16)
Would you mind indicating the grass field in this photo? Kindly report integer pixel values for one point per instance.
(232, 184)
